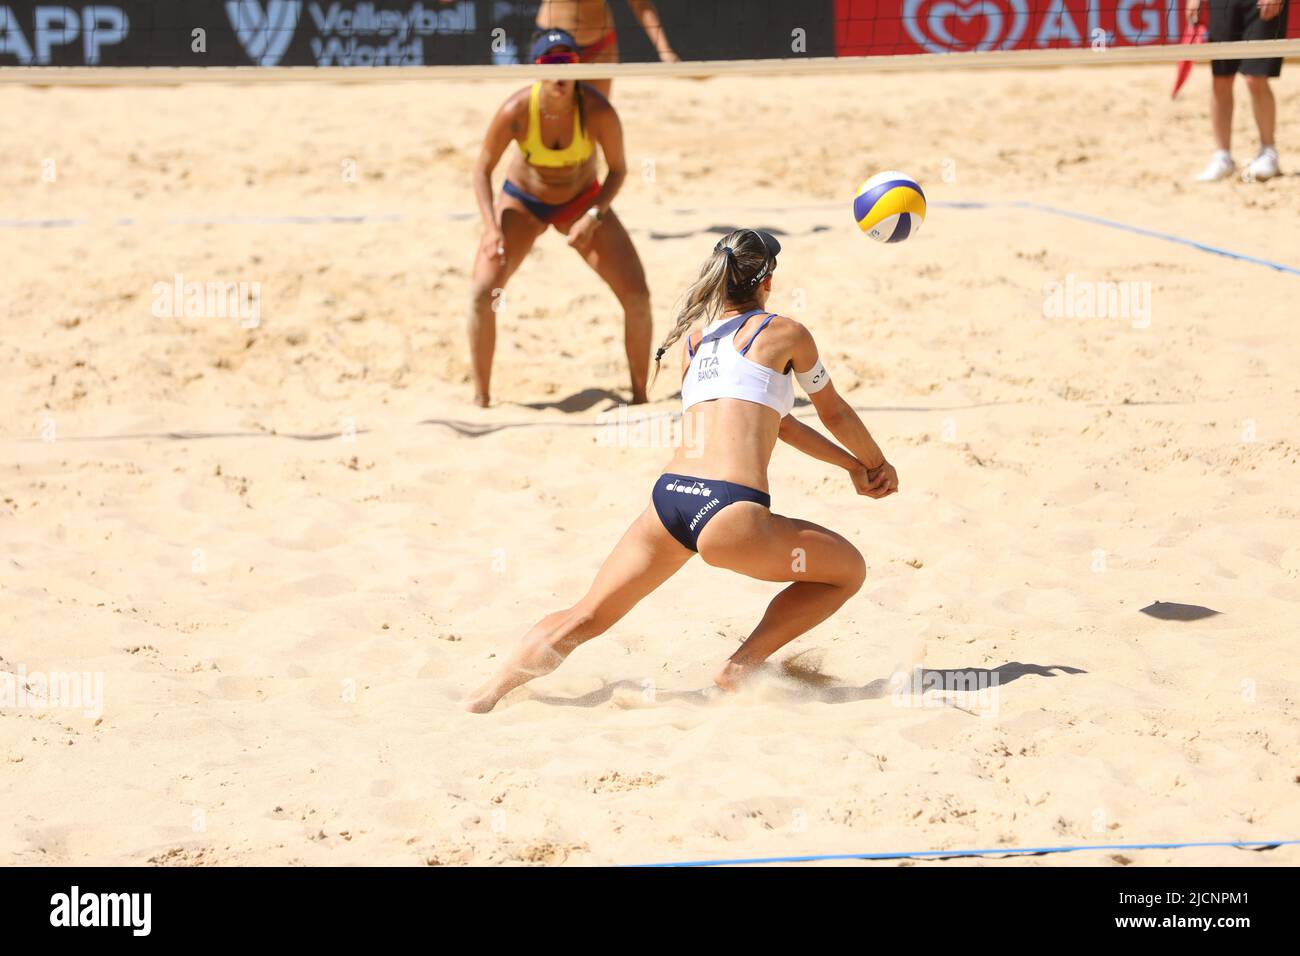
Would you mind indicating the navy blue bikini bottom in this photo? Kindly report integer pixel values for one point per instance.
(558, 214)
(685, 504)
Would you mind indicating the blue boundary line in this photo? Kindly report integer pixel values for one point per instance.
(1153, 234)
(760, 210)
(1004, 851)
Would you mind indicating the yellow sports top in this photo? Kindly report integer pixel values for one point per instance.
(536, 152)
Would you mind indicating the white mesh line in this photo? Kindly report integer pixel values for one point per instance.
(991, 59)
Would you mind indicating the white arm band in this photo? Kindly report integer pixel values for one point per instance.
(813, 380)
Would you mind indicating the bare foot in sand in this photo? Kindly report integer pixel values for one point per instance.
(731, 675)
(484, 697)
(478, 704)
(532, 658)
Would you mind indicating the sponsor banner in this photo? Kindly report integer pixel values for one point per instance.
(419, 32)
(378, 32)
(245, 33)
(62, 34)
(315, 33)
(731, 29)
(876, 27)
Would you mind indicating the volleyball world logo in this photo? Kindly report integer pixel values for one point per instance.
(264, 33)
(941, 26)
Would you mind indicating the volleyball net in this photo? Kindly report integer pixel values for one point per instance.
(714, 36)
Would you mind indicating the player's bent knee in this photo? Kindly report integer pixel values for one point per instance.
(855, 571)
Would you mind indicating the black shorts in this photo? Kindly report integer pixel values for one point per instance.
(1240, 20)
(685, 504)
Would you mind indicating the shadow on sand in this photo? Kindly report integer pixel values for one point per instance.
(582, 401)
(1170, 611)
(806, 682)
(720, 230)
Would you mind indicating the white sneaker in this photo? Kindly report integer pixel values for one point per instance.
(1221, 167)
(1262, 167)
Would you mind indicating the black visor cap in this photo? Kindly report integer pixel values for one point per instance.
(769, 242)
(772, 247)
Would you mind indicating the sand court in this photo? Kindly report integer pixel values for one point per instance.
(290, 547)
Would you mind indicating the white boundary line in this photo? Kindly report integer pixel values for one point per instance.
(990, 59)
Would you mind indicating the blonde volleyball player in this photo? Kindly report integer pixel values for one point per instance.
(553, 181)
(738, 374)
(592, 23)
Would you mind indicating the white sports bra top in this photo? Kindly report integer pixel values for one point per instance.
(718, 369)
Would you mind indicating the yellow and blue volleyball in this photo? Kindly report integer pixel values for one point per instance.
(890, 206)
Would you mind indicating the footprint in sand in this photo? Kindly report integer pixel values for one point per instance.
(614, 781)
(238, 688)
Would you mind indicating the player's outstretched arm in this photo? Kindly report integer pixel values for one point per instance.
(814, 444)
(840, 418)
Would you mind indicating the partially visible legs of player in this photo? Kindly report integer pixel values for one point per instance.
(644, 558)
(825, 568)
(614, 258)
(519, 230)
(608, 54)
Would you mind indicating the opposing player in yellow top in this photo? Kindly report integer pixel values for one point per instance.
(552, 181)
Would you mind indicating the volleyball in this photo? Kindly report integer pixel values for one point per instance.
(890, 206)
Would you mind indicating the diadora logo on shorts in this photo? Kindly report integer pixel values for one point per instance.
(694, 488)
(939, 26)
(264, 33)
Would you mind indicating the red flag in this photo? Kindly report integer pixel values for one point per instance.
(1192, 33)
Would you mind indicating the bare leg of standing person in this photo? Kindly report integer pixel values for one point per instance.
(1221, 105)
(491, 273)
(614, 258)
(1221, 165)
(1265, 107)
